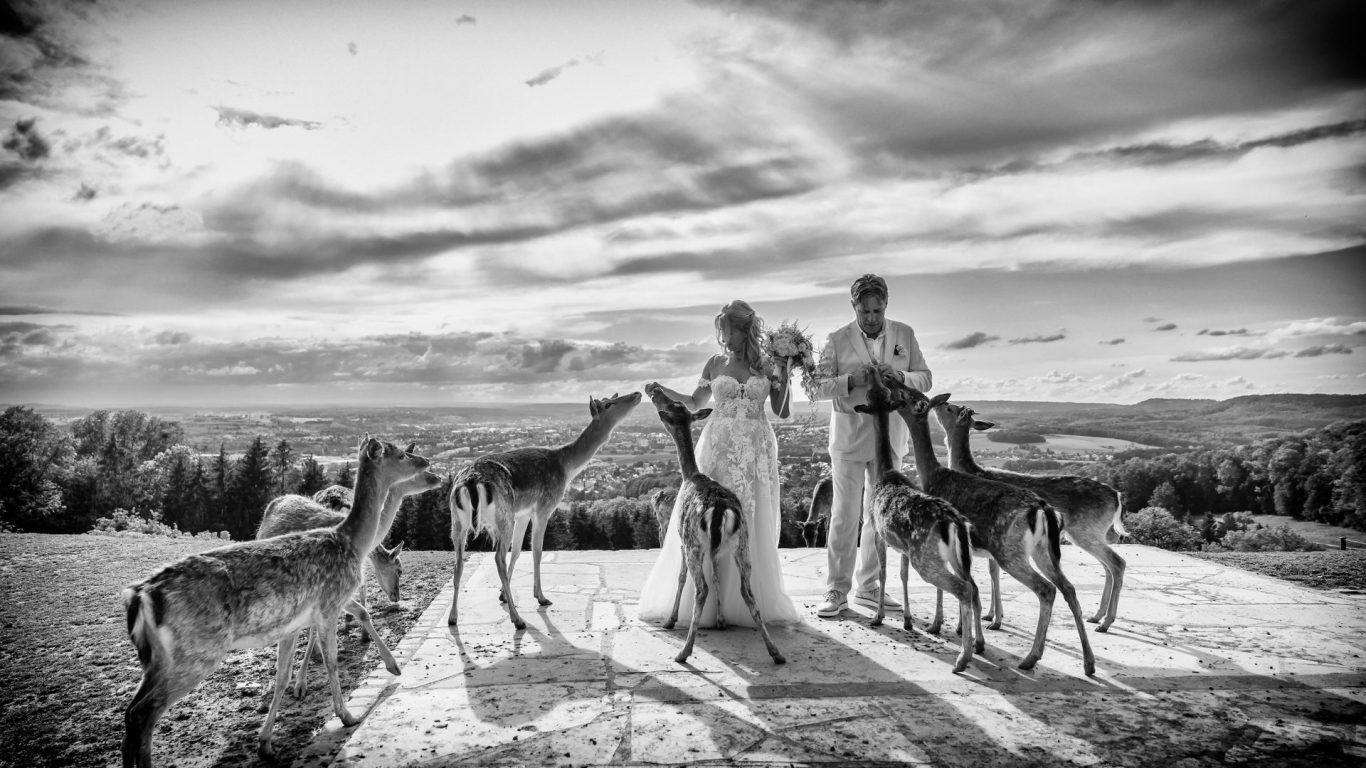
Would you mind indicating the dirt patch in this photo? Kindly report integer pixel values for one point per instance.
(68, 669)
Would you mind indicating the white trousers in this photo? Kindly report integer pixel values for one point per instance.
(853, 492)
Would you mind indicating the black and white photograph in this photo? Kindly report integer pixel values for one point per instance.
(682, 382)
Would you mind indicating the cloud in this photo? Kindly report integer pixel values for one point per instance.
(1234, 332)
(974, 339)
(1152, 319)
(546, 75)
(1165, 327)
(25, 141)
(1123, 380)
(1231, 353)
(85, 193)
(1112, 342)
(1059, 336)
(466, 19)
(1326, 349)
(1318, 326)
(245, 118)
(352, 48)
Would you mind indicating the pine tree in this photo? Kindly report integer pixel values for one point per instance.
(252, 488)
(311, 477)
(345, 476)
(282, 462)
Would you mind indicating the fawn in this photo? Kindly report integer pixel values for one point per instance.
(710, 521)
(928, 532)
(286, 514)
(184, 618)
(1089, 507)
(521, 487)
(1018, 530)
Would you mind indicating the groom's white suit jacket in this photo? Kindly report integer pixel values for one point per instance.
(851, 433)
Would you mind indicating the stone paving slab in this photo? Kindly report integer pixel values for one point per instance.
(1206, 666)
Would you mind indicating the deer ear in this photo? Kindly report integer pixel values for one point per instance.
(861, 408)
(411, 447)
(982, 425)
(398, 548)
(702, 414)
(593, 406)
(939, 399)
(898, 403)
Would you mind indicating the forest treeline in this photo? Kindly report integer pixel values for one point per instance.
(63, 479)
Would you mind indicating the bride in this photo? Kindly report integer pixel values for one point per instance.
(737, 449)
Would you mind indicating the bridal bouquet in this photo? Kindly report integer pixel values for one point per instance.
(789, 343)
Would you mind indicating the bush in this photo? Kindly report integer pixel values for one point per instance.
(1156, 527)
(1278, 539)
(132, 522)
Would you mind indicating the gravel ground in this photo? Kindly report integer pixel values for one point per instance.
(67, 669)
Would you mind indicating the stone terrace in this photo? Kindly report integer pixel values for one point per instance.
(1206, 666)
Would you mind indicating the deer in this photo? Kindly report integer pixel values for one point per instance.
(817, 512)
(710, 522)
(286, 514)
(662, 502)
(928, 532)
(185, 617)
(1014, 526)
(1089, 508)
(513, 489)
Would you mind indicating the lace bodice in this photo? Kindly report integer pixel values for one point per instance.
(737, 400)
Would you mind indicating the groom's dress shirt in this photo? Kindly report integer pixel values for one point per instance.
(847, 350)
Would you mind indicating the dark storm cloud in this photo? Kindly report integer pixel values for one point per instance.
(1171, 61)
(173, 357)
(244, 118)
(974, 339)
(29, 309)
(40, 58)
(1039, 339)
(1326, 349)
(26, 141)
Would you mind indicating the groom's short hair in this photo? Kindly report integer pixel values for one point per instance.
(868, 283)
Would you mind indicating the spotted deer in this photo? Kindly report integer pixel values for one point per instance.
(287, 514)
(662, 502)
(513, 489)
(928, 532)
(184, 618)
(710, 523)
(817, 512)
(1016, 528)
(1089, 507)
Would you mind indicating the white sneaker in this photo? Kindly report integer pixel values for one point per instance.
(869, 600)
(833, 606)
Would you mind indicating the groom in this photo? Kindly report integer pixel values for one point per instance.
(871, 340)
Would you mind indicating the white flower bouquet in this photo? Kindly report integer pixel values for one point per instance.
(788, 347)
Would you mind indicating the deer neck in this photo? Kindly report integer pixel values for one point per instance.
(393, 499)
(362, 522)
(577, 454)
(687, 458)
(956, 440)
(921, 447)
(882, 460)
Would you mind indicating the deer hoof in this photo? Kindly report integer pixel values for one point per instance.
(669, 624)
(994, 625)
(681, 658)
(778, 658)
(906, 625)
(519, 624)
(266, 750)
(1028, 662)
(876, 622)
(393, 668)
(933, 629)
(349, 719)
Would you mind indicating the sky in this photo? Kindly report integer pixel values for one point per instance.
(427, 203)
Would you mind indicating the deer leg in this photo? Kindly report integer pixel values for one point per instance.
(310, 649)
(1053, 572)
(966, 601)
(459, 567)
(160, 688)
(905, 592)
(537, 541)
(881, 579)
(284, 659)
(354, 608)
(1025, 573)
(500, 555)
(937, 623)
(742, 564)
(329, 643)
(1114, 576)
(514, 549)
(976, 606)
(700, 585)
(678, 596)
(997, 612)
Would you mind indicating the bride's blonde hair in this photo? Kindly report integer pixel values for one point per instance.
(740, 316)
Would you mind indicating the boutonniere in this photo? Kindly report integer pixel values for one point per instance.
(899, 350)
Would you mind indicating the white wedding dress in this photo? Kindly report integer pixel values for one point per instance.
(737, 449)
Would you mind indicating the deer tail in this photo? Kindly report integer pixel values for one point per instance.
(1118, 522)
(1053, 527)
(469, 503)
(139, 606)
(956, 534)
